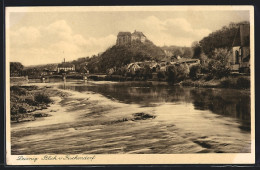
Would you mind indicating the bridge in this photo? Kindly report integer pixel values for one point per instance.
(73, 76)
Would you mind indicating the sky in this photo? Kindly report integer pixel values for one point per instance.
(49, 37)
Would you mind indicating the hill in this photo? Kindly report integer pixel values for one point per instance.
(121, 55)
(222, 38)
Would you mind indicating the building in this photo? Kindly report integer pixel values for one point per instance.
(188, 61)
(132, 67)
(65, 66)
(240, 58)
(138, 36)
(124, 38)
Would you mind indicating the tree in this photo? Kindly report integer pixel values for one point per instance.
(182, 72)
(222, 38)
(16, 68)
(197, 50)
(187, 52)
(172, 74)
(146, 72)
(178, 52)
(194, 71)
(219, 64)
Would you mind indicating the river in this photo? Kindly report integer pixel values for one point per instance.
(100, 118)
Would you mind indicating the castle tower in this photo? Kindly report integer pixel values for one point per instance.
(123, 38)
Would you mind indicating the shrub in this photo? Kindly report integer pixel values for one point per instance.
(194, 71)
(14, 109)
(18, 90)
(22, 109)
(30, 88)
(30, 102)
(42, 98)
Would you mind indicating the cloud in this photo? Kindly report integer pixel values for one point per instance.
(25, 35)
(172, 31)
(58, 27)
(50, 44)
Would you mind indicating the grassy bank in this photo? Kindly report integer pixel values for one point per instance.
(25, 101)
(240, 82)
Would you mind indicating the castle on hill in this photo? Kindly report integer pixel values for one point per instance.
(124, 38)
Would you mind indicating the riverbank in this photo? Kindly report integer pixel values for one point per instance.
(27, 102)
(242, 82)
(232, 82)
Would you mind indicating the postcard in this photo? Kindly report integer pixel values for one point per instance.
(92, 85)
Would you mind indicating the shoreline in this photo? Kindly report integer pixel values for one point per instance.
(28, 108)
(230, 82)
(224, 83)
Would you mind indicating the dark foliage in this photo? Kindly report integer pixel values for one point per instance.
(194, 72)
(161, 75)
(118, 56)
(222, 38)
(18, 90)
(16, 69)
(219, 66)
(42, 98)
(172, 74)
(197, 49)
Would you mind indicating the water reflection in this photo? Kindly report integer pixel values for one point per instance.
(224, 102)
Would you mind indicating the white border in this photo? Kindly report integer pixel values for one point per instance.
(219, 158)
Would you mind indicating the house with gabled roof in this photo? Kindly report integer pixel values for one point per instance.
(132, 67)
(240, 58)
(65, 66)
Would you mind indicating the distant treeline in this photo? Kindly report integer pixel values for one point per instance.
(17, 69)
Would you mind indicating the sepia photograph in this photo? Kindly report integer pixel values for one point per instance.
(130, 85)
